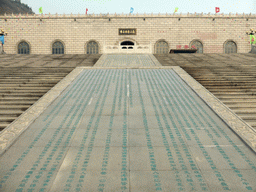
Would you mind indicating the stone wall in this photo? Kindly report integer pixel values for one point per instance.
(75, 31)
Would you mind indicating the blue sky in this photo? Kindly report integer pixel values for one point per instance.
(141, 6)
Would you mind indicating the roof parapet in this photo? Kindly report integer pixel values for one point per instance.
(188, 15)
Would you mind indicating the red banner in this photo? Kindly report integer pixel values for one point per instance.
(217, 9)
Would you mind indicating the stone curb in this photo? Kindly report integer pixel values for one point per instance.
(239, 126)
(157, 63)
(17, 127)
(100, 60)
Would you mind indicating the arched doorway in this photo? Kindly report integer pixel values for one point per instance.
(127, 45)
(23, 48)
(161, 47)
(198, 45)
(230, 47)
(57, 48)
(92, 48)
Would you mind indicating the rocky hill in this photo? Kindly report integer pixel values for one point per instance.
(15, 7)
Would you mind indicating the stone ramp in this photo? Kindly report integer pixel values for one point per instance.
(127, 60)
(132, 130)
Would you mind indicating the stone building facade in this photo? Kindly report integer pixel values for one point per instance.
(132, 33)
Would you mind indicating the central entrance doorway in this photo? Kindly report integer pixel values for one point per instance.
(127, 47)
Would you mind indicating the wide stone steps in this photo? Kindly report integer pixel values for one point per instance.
(23, 81)
(18, 98)
(231, 79)
(5, 95)
(14, 102)
(239, 105)
(237, 99)
(19, 90)
(248, 117)
(23, 88)
(11, 107)
(12, 113)
(3, 125)
(28, 81)
(7, 119)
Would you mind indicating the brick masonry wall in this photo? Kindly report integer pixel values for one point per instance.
(76, 34)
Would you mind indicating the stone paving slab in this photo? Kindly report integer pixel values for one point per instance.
(127, 60)
(130, 130)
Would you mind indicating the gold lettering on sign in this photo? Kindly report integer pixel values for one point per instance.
(127, 31)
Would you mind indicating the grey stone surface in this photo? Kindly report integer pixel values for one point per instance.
(130, 138)
(127, 60)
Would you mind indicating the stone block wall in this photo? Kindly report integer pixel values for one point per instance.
(75, 31)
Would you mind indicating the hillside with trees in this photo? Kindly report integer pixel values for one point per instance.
(15, 7)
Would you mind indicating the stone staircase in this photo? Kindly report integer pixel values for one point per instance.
(230, 77)
(21, 87)
(26, 78)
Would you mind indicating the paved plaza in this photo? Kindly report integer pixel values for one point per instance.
(119, 127)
